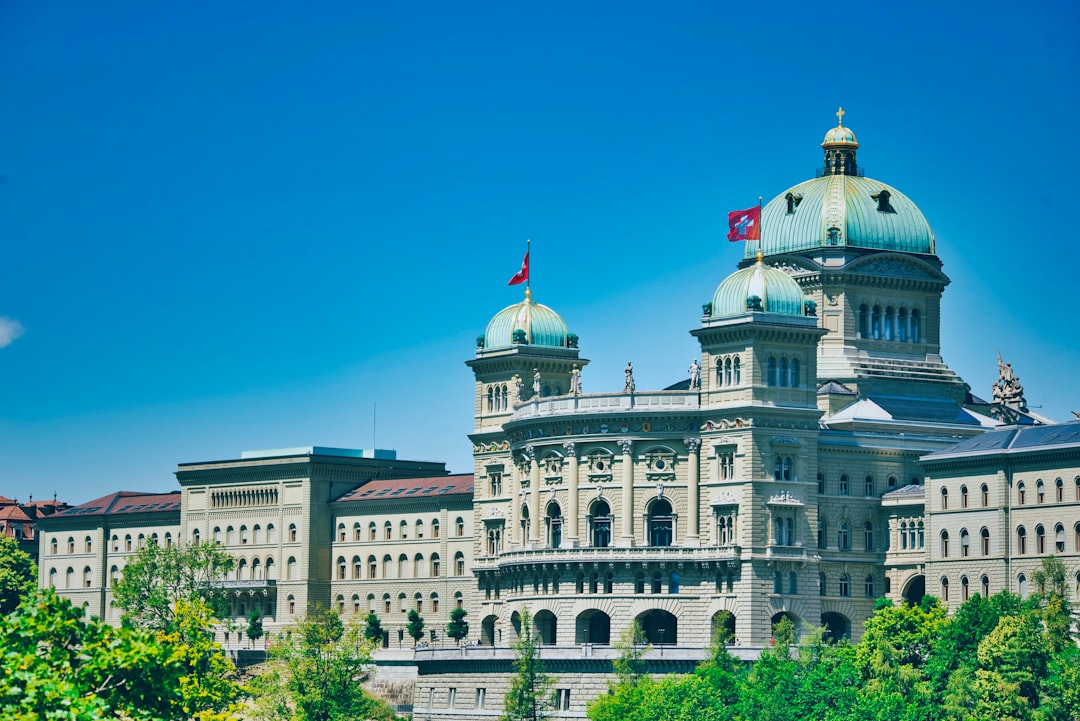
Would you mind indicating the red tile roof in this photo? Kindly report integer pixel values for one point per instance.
(13, 513)
(124, 502)
(405, 488)
(5, 501)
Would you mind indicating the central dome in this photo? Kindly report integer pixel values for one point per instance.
(843, 209)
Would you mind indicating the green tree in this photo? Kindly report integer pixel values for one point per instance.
(1053, 600)
(159, 576)
(18, 575)
(1013, 660)
(530, 697)
(314, 674)
(373, 630)
(254, 628)
(458, 628)
(415, 626)
(56, 665)
(209, 684)
(631, 666)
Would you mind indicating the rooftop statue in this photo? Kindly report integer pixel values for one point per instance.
(629, 386)
(1007, 390)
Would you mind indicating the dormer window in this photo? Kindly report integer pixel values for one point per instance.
(793, 201)
(883, 204)
(833, 236)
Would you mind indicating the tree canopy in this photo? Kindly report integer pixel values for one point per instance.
(18, 574)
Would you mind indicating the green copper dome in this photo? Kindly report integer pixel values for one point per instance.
(541, 326)
(843, 209)
(776, 290)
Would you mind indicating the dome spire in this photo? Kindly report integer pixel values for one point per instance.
(840, 146)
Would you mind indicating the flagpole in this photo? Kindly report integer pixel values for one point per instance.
(528, 276)
(761, 224)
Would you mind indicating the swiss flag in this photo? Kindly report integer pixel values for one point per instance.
(744, 224)
(522, 275)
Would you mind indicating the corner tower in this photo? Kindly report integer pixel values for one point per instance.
(866, 255)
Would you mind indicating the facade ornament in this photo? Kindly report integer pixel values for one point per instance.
(695, 375)
(1007, 390)
(692, 444)
(575, 381)
(530, 452)
(629, 386)
(627, 446)
(659, 490)
(571, 448)
(518, 389)
(536, 383)
(599, 491)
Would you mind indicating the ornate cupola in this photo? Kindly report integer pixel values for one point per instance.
(840, 146)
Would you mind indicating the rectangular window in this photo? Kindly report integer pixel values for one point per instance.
(481, 697)
(451, 698)
(562, 699)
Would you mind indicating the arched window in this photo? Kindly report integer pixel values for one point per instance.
(459, 527)
(418, 565)
(902, 325)
(256, 570)
(916, 326)
(1021, 583)
(843, 537)
(1021, 493)
(357, 568)
(87, 577)
(782, 375)
(1021, 540)
(372, 567)
(88, 545)
(984, 583)
(290, 568)
(868, 536)
(965, 592)
(845, 585)
(921, 538)
(491, 398)
(54, 545)
(1040, 491)
(843, 488)
(944, 544)
(944, 498)
(903, 535)
(868, 586)
(864, 321)
(770, 371)
(985, 540)
(372, 531)
(70, 545)
(1040, 539)
(875, 323)
(673, 583)
(385, 567)
(292, 533)
(459, 564)
(554, 525)
(244, 535)
(822, 533)
(600, 524)
(1059, 538)
(963, 497)
(388, 531)
(868, 486)
(403, 531)
(736, 371)
(127, 542)
(945, 589)
(271, 570)
(402, 566)
(434, 527)
(985, 490)
(890, 323)
(1076, 537)
(1059, 490)
(891, 482)
(727, 372)
(114, 575)
(341, 568)
(965, 543)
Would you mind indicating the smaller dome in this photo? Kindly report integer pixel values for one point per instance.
(777, 291)
(541, 325)
(840, 135)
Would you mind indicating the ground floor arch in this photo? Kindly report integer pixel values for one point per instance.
(723, 627)
(778, 618)
(546, 627)
(914, 590)
(487, 631)
(660, 627)
(593, 626)
(837, 626)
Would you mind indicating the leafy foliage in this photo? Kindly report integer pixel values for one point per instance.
(314, 674)
(373, 630)
(18, 574)
(458, 628)
(57, 666)
(254, 628)
(530, 697)
(415, 626)
(159, 576)
(996, 659)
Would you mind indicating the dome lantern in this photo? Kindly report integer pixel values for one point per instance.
(840, 146)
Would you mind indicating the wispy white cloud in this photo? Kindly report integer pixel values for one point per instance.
(10, 329)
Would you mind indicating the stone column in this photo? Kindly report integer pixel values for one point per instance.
(572, 495)
(534, 495)
(626, 532)
(515, 503)
(693, 491)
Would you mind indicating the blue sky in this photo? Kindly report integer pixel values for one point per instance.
(232, 226)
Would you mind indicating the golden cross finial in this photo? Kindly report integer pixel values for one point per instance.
(840, 115)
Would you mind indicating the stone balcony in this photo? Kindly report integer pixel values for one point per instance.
(260, 586)
(590, 555)
(607, 403)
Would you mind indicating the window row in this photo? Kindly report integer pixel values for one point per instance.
(889, 323)
(1040, 491)
(418, 528)
(965, 542)
(844, 535)
(728, 371)
(782, 372)
(86, 580)
(256, 535)
(843, 586)
(912, 535)
(1022, 547)
(130, 543)
(965, 588)
(869, 487)
(387, 568)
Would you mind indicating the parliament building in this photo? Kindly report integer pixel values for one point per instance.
(821, 456)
